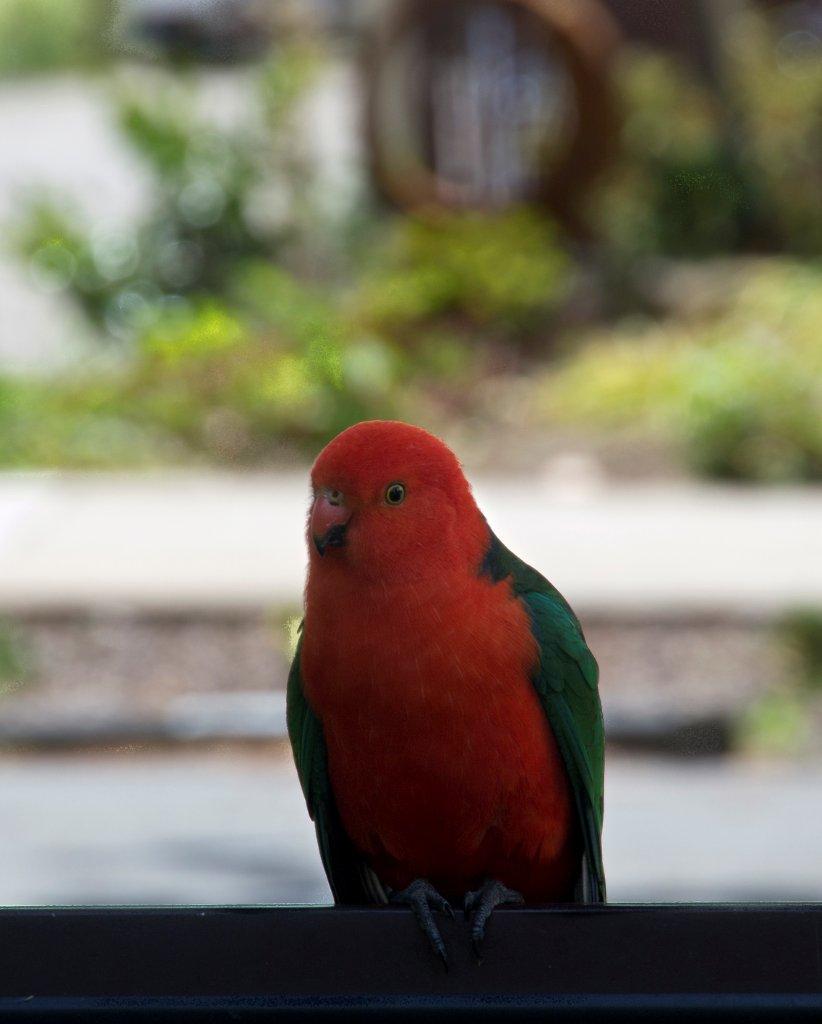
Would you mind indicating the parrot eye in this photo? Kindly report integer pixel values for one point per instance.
(395, 494)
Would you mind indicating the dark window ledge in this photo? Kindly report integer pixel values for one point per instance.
(677, 962)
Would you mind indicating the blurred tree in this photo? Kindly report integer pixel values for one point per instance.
(51, 35)
(498, 276)
(778, 77)
(675, 190)
(739, 388)
(681, 188)
(222, 194)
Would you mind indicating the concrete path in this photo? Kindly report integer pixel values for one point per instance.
(188, 540)
(233, 828)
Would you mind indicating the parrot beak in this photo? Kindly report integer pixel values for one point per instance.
(329, 518)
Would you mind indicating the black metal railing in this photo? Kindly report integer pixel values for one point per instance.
(678, 962)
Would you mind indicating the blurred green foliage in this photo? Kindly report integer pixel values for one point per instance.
(237, 390)
(53, 35)
(778, 79)
(675, 188)
(250, 324)
(204, 381)
(16, 665)
(229, 349)
(73, 423)
(275, 364)
(705, 171)
(212, 202)
(739, 388)
(500, 275)
(782, 720)
(800, 634)
(779, 724)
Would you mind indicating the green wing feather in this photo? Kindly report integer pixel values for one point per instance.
(566, 681)
(350, 878)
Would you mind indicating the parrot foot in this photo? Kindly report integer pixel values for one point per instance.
(421, 896)
(479, 906)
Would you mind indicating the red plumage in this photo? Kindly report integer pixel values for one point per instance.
(441, 759)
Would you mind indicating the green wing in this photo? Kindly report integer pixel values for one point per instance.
(566, 681)
(350, 878)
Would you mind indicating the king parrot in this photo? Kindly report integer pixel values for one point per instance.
(443, 705)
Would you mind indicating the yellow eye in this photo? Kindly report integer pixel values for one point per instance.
(395, 494)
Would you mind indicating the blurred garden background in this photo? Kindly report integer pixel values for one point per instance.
(580, 241)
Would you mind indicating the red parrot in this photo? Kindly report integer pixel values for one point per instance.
(443, 707)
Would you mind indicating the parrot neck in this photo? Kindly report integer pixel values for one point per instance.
(436, 576)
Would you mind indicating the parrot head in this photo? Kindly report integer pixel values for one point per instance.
(389, 500)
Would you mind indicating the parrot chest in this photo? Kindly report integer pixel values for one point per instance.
(435, 735)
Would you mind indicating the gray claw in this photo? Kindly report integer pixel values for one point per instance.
(420, 896)
(480, 904)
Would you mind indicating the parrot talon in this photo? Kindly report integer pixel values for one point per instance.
(479, 905)
(420, 896)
